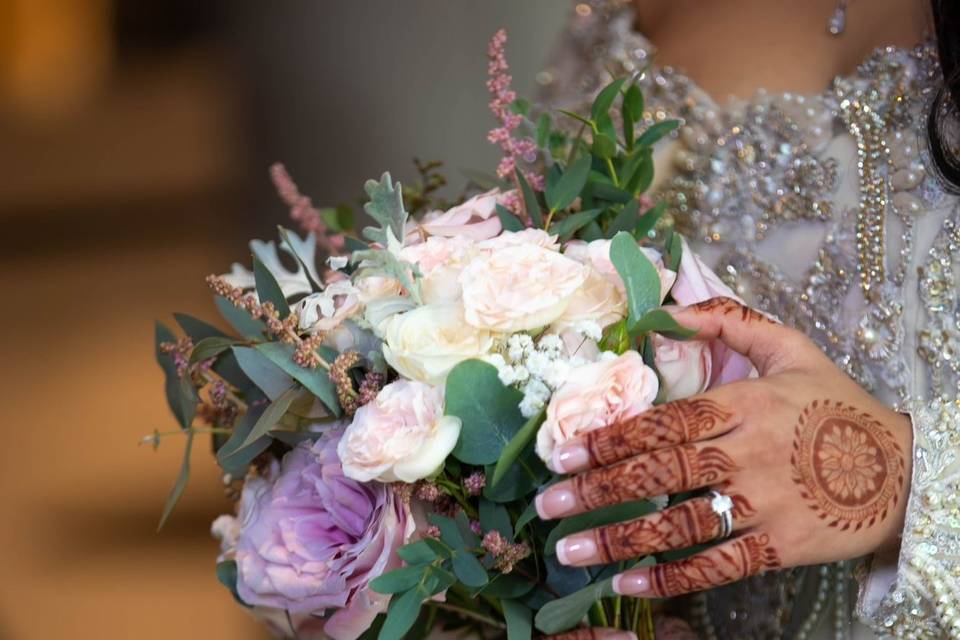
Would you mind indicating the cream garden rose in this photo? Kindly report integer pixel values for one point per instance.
(401, 436)
(440, 261)
(597, 254)
(427, 342)
(521, 287)
(597, 395)
(685, 366)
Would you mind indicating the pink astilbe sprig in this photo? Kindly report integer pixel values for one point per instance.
(304, 213)
(501, 97)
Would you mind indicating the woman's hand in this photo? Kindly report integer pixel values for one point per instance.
(815, 468)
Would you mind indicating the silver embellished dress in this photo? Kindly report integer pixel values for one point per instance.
(825, 211)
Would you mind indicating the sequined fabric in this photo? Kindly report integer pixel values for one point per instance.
(822, 210)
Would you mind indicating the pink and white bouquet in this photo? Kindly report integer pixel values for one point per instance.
(385, 419)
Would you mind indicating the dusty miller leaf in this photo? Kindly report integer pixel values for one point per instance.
(385, 207)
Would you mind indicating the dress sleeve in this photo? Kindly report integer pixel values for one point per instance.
(917, 595)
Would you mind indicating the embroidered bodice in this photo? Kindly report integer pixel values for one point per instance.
(825, 211)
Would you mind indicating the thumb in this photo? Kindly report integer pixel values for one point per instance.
(766, 343)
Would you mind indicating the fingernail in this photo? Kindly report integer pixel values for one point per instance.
(555, 502)
(620, 635)
(632, 583)
(569, 457)
(577, 550)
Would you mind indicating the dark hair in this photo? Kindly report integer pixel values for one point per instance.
(946, 104)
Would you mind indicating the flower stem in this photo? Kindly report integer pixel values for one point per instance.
(467, 613)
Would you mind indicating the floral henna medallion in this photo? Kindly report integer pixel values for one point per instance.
(653, 474)
(847, 465)
(662, 426)
(745, 556)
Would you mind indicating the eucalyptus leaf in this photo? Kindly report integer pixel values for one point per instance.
(517, 444)
(606, 191)
(564, 613)
(659, 321)
(188, 400)
(616, 338)
(576, 116)
(386, 208)
(640, 277)
(674, 252)
(569, 186)
(240, 320)
(494, 517)
(268, 290)
(398, 580)
(171, 378)
(197, 329)
(180, 485)
(230, 457)
(527, 516)
(317, 381)
(509, 221)
(263, 372)
(626, 219)
(574, 222)
(656, 131)
(506, 585)
(488, 411)
(520, 479)
(271, 416)
(530, 203)
(632, 106)
(604, 100)
(648, 221)
(211, 347)
(227, 575)
(562, 579)
(519, 620)
(642, 177)
(415, 553)
(468, 569)
(603, 146)
(401, 614)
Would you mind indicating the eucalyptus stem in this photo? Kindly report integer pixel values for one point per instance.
(467, 613)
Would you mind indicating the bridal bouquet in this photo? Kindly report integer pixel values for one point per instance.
(385, 419)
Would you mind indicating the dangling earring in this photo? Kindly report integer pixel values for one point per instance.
(838, 21)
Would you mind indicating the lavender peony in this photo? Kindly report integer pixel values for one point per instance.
(310, 540)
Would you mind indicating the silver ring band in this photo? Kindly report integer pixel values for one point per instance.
(722, 506)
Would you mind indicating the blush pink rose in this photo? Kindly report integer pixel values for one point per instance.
(685, 366)
(476, 218)
(597, 255)
(597, 395)
(537, 237)
(401, 436)
(696, 282)
(517, 288)
(440, 261)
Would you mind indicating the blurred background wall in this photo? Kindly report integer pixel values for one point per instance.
(134, 141)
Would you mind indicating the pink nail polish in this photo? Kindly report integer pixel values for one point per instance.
(632, 583)
(555, 502)
(577, 550)
(569, 457)
(620, 635)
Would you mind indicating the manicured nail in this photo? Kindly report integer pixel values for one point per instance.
(569, 457)
(620, 635)
(555, 502)
(577, 550)
(632, 583)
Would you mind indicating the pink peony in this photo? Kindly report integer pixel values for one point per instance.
(310, 540)
(597, 395)
(401, 435)
(696, 282)
(476, 218)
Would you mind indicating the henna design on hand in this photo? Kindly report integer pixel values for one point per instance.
(723, 564)
(653, 474)
(729, 306)
(847, 465)
(662, 426)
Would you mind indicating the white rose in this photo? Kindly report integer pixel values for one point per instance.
(685, 366)
(401, 436)
(427, 342)
(599, 300)
(520, 287)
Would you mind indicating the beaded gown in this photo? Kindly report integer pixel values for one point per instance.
(825, 211)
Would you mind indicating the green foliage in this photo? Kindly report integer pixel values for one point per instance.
(488, 410)
(171, 379)
(616, 338)
(211, 347)
(519, 620)
(494, 517)
(398, 580)
(271, 416)
(316, 381)
(466, 567)
(262, 371)
(267, 288)
(240, 320)
(517, 444)
(562, 193)
(648, 221)
(227, 575)
(231, 458)
(530, 203)
(197, 329)
(574, 222)
(659, 321)
(626, 219)
(386, 208)
(384, 262)
(604, 100)
(520, 479)
(509, 221)
(639, 276)
(418, 552)
(656, 132)
(181, 483)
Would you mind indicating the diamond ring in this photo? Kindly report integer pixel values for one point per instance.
(722, 506)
